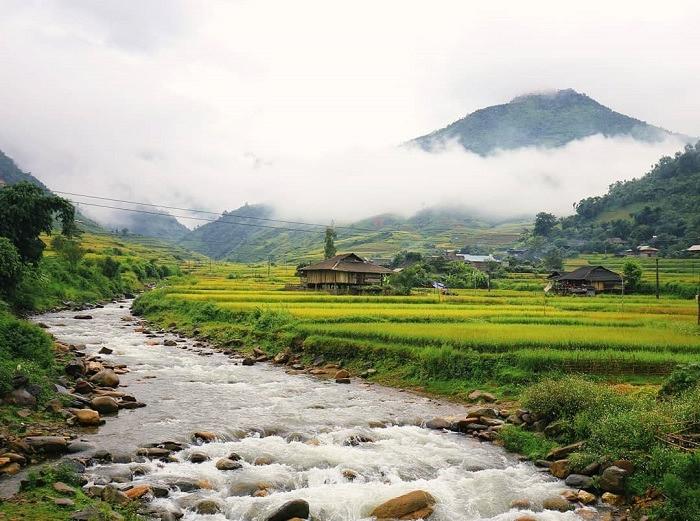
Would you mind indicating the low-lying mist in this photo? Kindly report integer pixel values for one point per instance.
(359, 183)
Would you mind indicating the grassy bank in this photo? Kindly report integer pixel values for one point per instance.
(593, 366)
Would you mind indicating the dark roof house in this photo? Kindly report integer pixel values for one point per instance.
(586, 280)
(343, 272)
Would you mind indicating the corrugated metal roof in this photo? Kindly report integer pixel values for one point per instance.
(348, 262)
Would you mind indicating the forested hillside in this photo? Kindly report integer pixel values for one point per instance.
(661, 209)
(543, 120)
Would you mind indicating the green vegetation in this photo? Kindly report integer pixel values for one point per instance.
(658, 209)
(549, 120)
(36, 501)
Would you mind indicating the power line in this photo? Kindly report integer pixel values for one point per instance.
(210, 213)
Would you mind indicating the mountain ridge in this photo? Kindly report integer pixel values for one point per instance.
(547, 120)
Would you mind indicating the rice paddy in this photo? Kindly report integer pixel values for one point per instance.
(504, 331)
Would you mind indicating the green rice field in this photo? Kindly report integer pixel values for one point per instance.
(517, 333)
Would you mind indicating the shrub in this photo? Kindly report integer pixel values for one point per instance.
(563, 398)
(531, 444)
(10, 267)
(682, 379)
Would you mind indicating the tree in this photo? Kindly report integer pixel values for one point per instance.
(26, 211)
(544, 223)
(632, 271)
(69, 250)
(329, 249)
(409, 278)
(553, 259)
(10, 267)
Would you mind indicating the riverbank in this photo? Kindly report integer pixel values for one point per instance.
(629, 427)
(299, 437)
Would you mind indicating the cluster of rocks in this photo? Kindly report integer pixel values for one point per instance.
(87, 393)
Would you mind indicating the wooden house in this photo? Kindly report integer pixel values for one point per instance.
(587, 280)
(347, 272)
(647, 251)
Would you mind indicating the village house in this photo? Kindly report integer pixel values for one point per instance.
(346, 272)
(586, 280)
(480, 262)
(647, 251)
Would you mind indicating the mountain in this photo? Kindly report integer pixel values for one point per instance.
(658, 209)
(245, 235)
(11, 174)
(548, 120)
(151, 223)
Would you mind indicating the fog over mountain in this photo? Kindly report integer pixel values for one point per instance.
(170, 102)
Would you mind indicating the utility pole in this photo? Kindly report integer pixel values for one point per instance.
(269, 265)
(657, 278)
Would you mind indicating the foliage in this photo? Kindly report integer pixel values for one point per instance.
(68, 249)
(10, 267)
(405, 258)
(26, 211)
(544, 223)
(553, 259)
(632, 273)
(681, 380)
(329, 249)
(409, 278)
(531, 444)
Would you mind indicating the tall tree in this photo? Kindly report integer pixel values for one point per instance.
(544, 222)
(329, 249)
(26, 211)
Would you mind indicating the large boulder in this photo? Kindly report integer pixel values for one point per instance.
(414, 505)
(557, 503)
(579, 481)
(565, 451)
(560, 468)
(613, 480)
(481, 396)
(105, 378)
(20, 397)
(105, 404)
(86, 417)
(47, 444)
(296, 508)
(208, 506)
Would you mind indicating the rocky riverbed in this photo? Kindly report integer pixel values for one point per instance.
(228, 437)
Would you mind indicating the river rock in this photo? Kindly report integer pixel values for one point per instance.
(47, 444)
(10, 469)
(138, 491)
(578, 481)
(64, 502)
(115, 496)
(585, 497)
(20, 397)
(105, 404)
(342, 374)
(84, 387)
(205, 436)
(62, 488)
(481, 396)
(227, 464)
(342, 380)
(83, 317)
(414, 505)
(560, 468)
(86, 417)
(615, 500)
(13, 457)
(198, 457)
(248, 361)
(262, 460)
(208, 507)
(297, 508)
(613, 480)
(557, 503)
(439, 424)
(169, 342)
(487, 412)
(105, 378)
(563, 452)
(282, 357)
(104, 350)
(153, 452)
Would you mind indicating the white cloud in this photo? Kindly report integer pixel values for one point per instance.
(217, 103)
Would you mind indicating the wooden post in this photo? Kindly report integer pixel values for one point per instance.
(657, 278)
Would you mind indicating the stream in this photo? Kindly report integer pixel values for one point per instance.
(304, 427)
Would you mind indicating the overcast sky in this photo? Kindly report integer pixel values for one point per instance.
(212, 104)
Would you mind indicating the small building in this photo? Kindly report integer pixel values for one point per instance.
(347, 271)
(647, 251)
(586, 280)
(480, 262)
(695, 248)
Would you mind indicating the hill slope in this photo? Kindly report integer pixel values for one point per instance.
(155, 223)
(237, 235)
(543, 120)
(662, 209)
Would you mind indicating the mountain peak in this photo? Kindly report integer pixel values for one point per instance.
(539, 119)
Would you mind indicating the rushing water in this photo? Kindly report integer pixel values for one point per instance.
(264, 412)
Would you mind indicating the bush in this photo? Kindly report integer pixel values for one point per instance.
(563, 398)
(531, 444)
(10, 267)
(682, 379)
